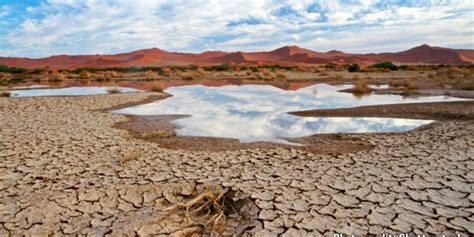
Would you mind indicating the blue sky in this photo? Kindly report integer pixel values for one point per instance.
(39, 28)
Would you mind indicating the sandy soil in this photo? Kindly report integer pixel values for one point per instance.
(65, 170)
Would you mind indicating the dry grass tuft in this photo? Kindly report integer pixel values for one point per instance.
(85, 75)
(56, 76)
(467, 84)
(5, 94)
(266, 73)
(280, 75)
(407, 83)
(5, 76)
(187, 77)
(114, 91)
(361, 88)
(156, 88)
(151, 75)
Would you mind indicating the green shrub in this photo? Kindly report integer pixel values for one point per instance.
(4, 68)
(386, 64)
(223, 67)
(353, 68)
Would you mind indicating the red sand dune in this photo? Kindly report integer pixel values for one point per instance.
(289, 55)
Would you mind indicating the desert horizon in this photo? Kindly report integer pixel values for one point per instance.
(287, 55)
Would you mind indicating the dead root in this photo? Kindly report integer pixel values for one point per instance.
(208, 209)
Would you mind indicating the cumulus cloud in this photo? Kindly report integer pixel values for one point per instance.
(110, 26)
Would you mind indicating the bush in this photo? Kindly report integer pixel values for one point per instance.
(114, 91)
(40, 71)
(187, 78)
(465, 84)
(156, 88)
(387, 65)
(404, 67)
(408, 83)
(361, 88)
(151, 75)
(353, 68)
(254, 69)
(117, 69)
(84, 75)
(280, 75)
(223, 67)
(193, 67)
(56, 76)
(4, 68)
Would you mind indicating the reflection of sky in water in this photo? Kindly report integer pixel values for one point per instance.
(259, 112)
(385, 86)
(69, 91)
(30, 87)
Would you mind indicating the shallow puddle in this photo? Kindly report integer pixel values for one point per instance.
(253, 113)
(70, 91)
(34, 86)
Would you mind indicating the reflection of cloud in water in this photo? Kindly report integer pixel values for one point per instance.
(259, 112)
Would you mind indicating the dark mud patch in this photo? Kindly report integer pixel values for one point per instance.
(441, 111)
(467, 94)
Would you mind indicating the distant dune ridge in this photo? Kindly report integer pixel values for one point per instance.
(289, 55)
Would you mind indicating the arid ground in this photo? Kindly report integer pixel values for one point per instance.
(69, 166)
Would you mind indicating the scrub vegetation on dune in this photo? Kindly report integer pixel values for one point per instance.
(408, 78)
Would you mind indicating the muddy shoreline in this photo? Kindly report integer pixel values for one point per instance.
(440, 111)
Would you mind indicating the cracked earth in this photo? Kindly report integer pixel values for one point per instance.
(64, 170)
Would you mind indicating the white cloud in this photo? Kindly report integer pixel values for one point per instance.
(5, 10)
(91, 26)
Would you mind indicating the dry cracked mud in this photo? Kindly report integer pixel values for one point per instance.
(64, 170)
